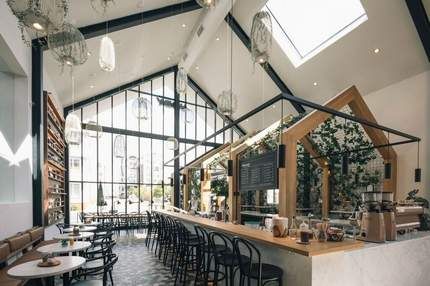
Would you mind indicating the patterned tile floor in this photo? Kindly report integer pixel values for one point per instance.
(137, 266)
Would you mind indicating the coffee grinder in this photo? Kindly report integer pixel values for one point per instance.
(387, 207)
(372, 222)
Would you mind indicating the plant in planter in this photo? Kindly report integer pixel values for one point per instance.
(219, 186)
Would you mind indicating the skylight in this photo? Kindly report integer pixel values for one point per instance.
(303, 28)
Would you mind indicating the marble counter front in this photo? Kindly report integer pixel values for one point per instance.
(405, 262)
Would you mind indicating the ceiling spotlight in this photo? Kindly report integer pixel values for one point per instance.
(184, 25)
(37, 26)
(197, 68)
(91, 86)
(168, 58)
(315, 83)
(376, 50)
(89, 54)
(217, 38)
(273, 106)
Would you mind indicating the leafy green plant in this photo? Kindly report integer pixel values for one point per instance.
(195, 192)
(332, 137)
(219, 186)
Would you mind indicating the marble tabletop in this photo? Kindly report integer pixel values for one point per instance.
(81, 228)
(81, 235)
(93, 223)
(57, 248)
(30, 270)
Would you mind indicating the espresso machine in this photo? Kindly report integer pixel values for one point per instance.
(388, 211)
(372, 227)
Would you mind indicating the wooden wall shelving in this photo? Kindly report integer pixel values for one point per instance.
(54, 195)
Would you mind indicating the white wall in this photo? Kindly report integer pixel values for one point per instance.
(15, 125)
(406, 106)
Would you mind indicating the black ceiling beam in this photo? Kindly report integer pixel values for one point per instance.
(240, 33)
(133, 20)
(213, 104)
(118, 89)
(118, 24)
(421, 21)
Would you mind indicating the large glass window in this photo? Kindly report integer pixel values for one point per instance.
(121, 169)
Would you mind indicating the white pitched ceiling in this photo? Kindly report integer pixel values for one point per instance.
(351, 59)
(140, 51)
(82, 14)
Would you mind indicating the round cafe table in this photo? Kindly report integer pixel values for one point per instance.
(81, 236)
(57, 248)
(93, 223)
(81, 228)
(30, 270)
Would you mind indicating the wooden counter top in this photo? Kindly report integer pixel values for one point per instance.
(315, 248)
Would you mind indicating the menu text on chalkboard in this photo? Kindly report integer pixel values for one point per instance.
(259, 172)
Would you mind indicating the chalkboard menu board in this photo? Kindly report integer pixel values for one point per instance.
(259, 172)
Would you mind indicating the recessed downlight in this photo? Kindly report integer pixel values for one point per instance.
(37, 26)
(217, 38)
(169, 58)
(376, 51)
(315, 83)
(184, 25)
(197, 68)
(92, 86)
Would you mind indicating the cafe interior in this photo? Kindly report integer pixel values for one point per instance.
(214, 142)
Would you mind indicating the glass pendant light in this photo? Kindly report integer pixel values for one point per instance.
(207, 3)
(107, 54)
(141, 108)
(119, 146)
(227, 102)
(72, 127)
(261, 37)
(72, 130)
(181, 81)
(188, 115)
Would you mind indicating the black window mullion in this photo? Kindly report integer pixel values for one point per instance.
(125, 155)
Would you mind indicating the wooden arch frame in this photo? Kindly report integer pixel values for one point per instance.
(288, 175)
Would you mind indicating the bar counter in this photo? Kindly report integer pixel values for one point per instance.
(315, 248)
(351, 263)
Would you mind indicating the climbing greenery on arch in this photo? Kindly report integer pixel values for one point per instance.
(332, 137)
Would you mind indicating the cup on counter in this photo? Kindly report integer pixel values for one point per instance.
(305, 235)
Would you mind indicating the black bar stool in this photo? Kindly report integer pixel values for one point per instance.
(222, 249)
(251, 267)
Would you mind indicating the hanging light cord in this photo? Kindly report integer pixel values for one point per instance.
(231, 77)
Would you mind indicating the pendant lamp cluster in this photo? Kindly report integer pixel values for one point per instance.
(261, 37)
(38, 17)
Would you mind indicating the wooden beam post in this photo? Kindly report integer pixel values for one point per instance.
(288, 180)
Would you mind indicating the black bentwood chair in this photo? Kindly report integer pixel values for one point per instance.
(105, 270)
(251, 268)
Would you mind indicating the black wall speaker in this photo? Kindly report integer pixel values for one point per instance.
(387, 170)
(202, 174)
(417, 175)
(281, 156)
(230, 168)
(345, 164)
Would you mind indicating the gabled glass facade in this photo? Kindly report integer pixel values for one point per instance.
(121, 169)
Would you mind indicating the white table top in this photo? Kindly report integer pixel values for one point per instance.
(81, 228)
(81, 235)
(93, 223)
(57, 248)
(30, 270)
